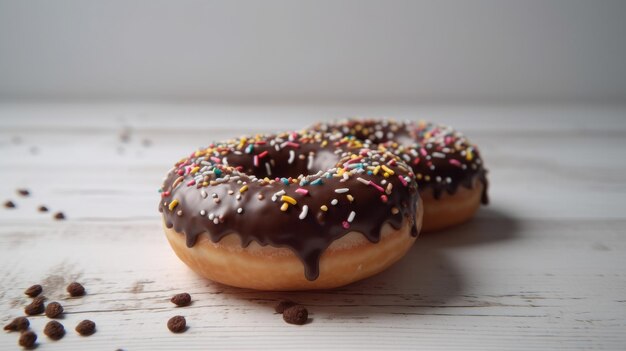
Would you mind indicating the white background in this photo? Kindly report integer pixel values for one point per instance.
(293, 51)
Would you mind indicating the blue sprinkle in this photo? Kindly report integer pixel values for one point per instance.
(370, 172)
(285, 181)
(317, 181)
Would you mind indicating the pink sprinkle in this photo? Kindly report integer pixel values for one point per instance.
(256, 161)
(392, 162)
(455, 162)
(260, 142)
(402, 180)
(354, 160)
(263, 154)
(293, 145)
(384, 198)
(423, 151)
(302, 191)
(192, 182)
(448, 140)
(215, 159)
(345, 224)
(180, 172)
(416, 161)
(377, 186)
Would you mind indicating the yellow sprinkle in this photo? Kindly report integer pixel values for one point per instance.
(288, 199)
(351, 198)
(386, 175)
(173, 204)
(427, 178)
(195, 170)
(284, 207)
(324, 208)
(340, 171)
(376, 170)
(205, 184)
(469, 156)
(419, 176)
(243, 189)
(324, 143)
(197, 153)
(266, 179)
(387, 169)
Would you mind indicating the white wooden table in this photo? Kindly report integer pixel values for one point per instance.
(542, 267)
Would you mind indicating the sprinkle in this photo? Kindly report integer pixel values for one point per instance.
(334, 202)
(214, 195)
(342, 190)
(378, 187)
(350, 197)
(302, 191)
(292, 156)
(305, 211)
(260, 197)
(173, 204)
(455, 162)
(238, 197)
(288, 199)
(388, 190)
(284, 207)
(439, 155)
(202, 213)
(317, 181)
(195, 170)
(240, 210)
(268, 168)
(204, 194)
(324, 208)
(383, 198)
(216, 220)
(345, 224)
(310, 162)
(387, 169)
(211, 216)
(263, 154)
(394, 210)
(177, 181)
(179, 213)
(215, 159)
(402, 180)
(256, 160)
(351, 216)
(243, 189)
(376, 170)
(366, 182)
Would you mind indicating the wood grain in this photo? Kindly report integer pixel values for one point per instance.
(542, 267)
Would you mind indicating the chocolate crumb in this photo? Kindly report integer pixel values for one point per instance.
(177, 324)
(18, 324)
(28, 339)
(42, 208)
(9, 204)
(34, 290)
(54, 309)
(54, 330)
(296, 315)
(75, 289)
(35, 307)
(86, 327)
(181, 300)
(283, 305)
(23, 192)
(59, 216)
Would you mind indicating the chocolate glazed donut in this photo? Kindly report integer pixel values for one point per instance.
(337, 206)
(451, 178)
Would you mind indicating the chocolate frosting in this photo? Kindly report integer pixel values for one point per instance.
(441, 157)
(299, 190)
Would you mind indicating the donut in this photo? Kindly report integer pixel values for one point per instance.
(451, 178)
(290, 211)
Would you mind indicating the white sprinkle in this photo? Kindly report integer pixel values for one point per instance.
(363, 181)
(277, 147)
(448, 180)
(214, 195)
(268, 168)
(310, 163)
(305, 210)
(216, 220)
(334, 202)
(292, 156)
(279, 193)
(342, 190)
(238, 197)
(439, 155)
(351, 216)
(225, 161)
(274, 198)
(204, 194)
(202, 212)
(211, 216)
(240, 210)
